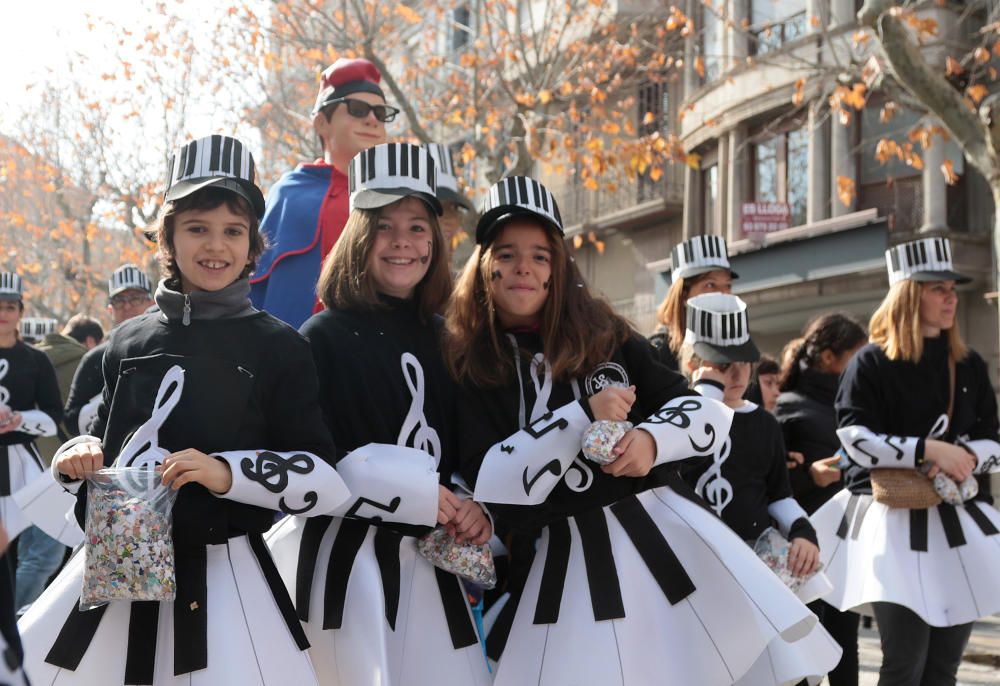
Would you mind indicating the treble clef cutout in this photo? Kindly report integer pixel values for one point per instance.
(940, 427)
(579, 476)
(416, 432)
(4, 393)
(143, 448)
(711, 485)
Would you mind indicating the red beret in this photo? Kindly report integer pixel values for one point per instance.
(346, 76)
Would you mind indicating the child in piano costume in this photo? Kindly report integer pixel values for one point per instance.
(30, 407)
(634, 581)
(746, 482)
(916, 397)
(222, 399)
(376, 612)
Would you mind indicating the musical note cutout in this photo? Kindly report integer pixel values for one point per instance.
(416, 432)
(4, 393)
(361, 502)
(271, 471)
(553, 467)
(143, 448)
(711, 485)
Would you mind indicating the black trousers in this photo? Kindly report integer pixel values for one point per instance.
(915, 653)
(843, 627)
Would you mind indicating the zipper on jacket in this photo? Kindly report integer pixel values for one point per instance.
(186, 319)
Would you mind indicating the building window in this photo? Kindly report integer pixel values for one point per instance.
(712, 48)
(710, 199)
(773, 23)
(780, 170)
(461, 29)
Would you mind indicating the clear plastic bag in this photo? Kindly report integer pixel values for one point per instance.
(467, 560)
(128, 543)
(772, 548)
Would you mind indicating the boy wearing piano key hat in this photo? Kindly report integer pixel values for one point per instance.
(747, 483)
(308, 207)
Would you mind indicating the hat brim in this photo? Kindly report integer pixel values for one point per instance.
(115, 292)
(371, 199)
(492, 221)
(688, 272)
(449, 195)
(945, 275)
(727, 354)
(11, 297)
(328, 95)
(244, 189)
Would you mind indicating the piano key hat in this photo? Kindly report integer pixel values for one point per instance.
(447, 188)
(699, 255)
(346, 76)
(217, 160)
(516, 196)
(925, 259)
(37, 328)
(11, 287)
(127, 276)
(385, 173)
(718, 329)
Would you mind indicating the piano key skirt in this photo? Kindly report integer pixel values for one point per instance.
(942, 562)
(248, 640)
(393, 619)
(654, 589)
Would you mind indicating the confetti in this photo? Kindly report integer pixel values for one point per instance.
(128, 547)
(772, 548)
(600, 439)
(467, 560)
(954, 493)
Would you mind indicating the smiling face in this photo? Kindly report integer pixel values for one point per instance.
(210, 247)
(402, 248)
(520, 272)
(345, 135)
(938, 304)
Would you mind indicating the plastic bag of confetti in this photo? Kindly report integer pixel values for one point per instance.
(128, 543)
(772, 548)
(600, 439)
(467, 560)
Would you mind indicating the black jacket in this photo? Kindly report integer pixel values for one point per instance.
(32, 384)
(809, 423)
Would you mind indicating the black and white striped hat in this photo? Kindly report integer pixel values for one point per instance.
(699, 255)
(127, 276)
(385, 173)
(719, 330)
(214, 161)
(447, 189)
(925, 259)
(11, 287)
(37, 328)
(516, 196)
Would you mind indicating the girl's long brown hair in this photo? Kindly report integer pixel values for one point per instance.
(895, 326)
(578, 331)
(672, 312)
(346, 283)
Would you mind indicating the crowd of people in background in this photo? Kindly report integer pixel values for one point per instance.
(325, 397)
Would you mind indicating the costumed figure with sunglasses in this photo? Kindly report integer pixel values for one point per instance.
(219, 401)
(634, 581)
(917, 542)
(375, 610)
(308, 207)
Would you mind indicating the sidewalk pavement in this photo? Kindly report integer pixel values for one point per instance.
(980, 664)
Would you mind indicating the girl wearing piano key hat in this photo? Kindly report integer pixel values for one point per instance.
(633, 581)
(699, 265)
(747, 482)
(916, 402)
(221, 401)
(376, 611)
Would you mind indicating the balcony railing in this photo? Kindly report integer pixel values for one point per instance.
(771, 36)
(581, 205)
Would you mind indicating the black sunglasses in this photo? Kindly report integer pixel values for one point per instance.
(360, 109)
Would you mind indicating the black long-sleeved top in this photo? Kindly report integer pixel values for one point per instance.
(491, 415)
(903, 398)
(382, 380)
(809, 423)
(32, 384)
(753, 476)
(88, 381)
(660, 340)
(249, 383)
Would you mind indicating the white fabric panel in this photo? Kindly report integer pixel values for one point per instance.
(392, 483)
(37, 423)
(871, 450)
(88, 413)
(688, 426)
(524, 468)
(785, 512)
(987, 453)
